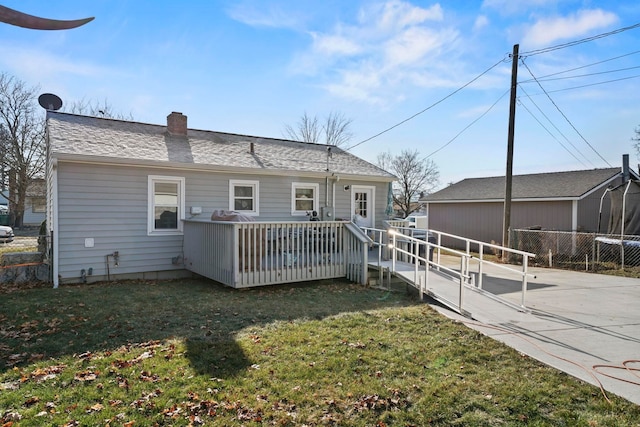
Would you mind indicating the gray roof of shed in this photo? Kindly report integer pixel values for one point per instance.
(108, 140)
(554, 185)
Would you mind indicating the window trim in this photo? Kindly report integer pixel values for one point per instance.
(256, 195)
(152, 179)
(38, 201)
(316, 190)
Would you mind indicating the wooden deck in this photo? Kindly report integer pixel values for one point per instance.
(248, 254)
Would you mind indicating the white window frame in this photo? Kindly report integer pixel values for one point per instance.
(39, 205)
(256, 195)
(305, 185)
(151, 227)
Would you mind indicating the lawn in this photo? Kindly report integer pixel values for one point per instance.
(192, 352)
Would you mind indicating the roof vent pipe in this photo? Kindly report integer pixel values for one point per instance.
(625, 168)
(251, 148)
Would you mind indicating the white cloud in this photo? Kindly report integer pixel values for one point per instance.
(481, 22)
(413, 45)
(388, 43)
(335, 44)
(269, 16)
(41, 66)
(583, 22)
(395, 15)
(519, 6)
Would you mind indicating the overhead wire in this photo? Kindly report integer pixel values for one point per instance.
(522, 55)
(469, 125)
(429, 107)
(551, 134)
(547, 79)
(591, 84)
(585, 66)
(577, 42)
(564, 115)
(555, 127)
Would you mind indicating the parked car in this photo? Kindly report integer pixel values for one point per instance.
(6, 234)
(4, 209)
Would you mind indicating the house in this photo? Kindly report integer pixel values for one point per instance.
(561, 201)
(120, 194)
(34, 204)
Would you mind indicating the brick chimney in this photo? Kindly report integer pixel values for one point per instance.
(177, 124)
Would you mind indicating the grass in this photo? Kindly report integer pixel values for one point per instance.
(194, 353)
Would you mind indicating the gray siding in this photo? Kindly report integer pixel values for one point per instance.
(478, 221)
(588, 209)
(554, 215)
(483, 221)
(31, 217)
(109, 205)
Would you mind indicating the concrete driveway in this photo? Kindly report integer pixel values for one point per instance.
(585, 324)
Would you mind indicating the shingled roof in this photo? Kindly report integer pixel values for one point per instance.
(75, 137)
(572, 185)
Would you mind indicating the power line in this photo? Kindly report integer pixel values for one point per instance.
(556, 128)
(590, 84)
(469, 125)
(542, 79)
(565, 117)
(428, 108)
(585, 66)
(577, 42)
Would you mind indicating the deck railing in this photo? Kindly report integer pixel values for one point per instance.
(246, 254)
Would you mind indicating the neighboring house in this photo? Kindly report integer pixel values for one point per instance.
(562, 201)
(123, 189)
(35, 204)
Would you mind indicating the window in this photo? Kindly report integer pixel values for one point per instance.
(304, 198)
(166, 205)
(243, 197)
(38, 205)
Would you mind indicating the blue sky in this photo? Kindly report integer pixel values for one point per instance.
(251, 67)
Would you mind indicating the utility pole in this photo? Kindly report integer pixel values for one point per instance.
(509, 174)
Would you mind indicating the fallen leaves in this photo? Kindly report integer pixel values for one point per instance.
(31, 401)
(46, 373)
(97, 407)
(87, 375)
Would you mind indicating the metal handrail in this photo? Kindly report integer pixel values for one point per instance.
(481, 245)
(466, 256)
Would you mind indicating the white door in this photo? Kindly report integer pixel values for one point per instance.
(363, 205)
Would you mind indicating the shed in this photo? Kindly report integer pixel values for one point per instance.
(561, 201)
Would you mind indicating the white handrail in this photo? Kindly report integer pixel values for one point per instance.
(465, 255)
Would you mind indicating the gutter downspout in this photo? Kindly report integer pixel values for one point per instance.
(326, 191)
(54, 226)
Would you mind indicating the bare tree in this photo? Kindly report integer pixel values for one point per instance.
(335, 129)
(95, 108)
(416, 177)
(636, 138)
(21, 141)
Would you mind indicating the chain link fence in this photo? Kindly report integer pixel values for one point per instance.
(579, 251)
